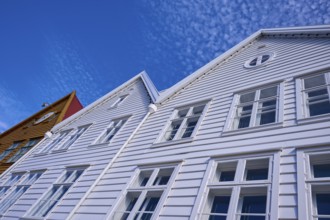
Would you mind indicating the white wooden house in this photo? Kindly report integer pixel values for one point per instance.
(245, 137)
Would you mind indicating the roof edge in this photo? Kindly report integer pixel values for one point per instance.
(151, 89)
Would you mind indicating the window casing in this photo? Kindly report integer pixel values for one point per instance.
(259, 60)
(256, 107)
(111, 131)
(118, 101)
(18, 191)
(145, 194)
(32, 142)
(316, 180)
(239, 189)
(10, 149)
(74, 135)
(55, 194)
(57, 140)
(11, 181)
(184, 122)
(315, 95)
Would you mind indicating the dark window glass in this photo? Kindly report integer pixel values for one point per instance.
(265, 58)
(190, 128)
(314, 81)
(253, 204)
(323, 204)
(144, 181)
(227, 176)
(244, 122)
(129, 208)
(253, 62)
(267, 118)
(257, 174)
(319, 108)
(321, 170)
(220, 205)
(164, 180)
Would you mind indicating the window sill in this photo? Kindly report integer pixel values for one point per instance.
(98, 145)
(313, 119)
(252, 129)
(30, 218)
(59, 150)
(167, 143)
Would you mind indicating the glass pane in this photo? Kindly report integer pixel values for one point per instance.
(144, 181)
(198, 109)
(253, 62)
(191, 124)
(265, 93)
(266, 118)
(220, 204)
(314, 81)
(319, 108)
(321, 170)
(129, 208)
(319, 92)
(215, 217)
(265, 58)
(170, 134)
(151, 206)
(257, 174)
(254, 204)
(323, 204)
(244, 122)
(164, 180)
(249, 97)
(244, 217)
(182, 113)
(227, 176)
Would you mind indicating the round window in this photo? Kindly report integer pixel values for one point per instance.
(259, 60)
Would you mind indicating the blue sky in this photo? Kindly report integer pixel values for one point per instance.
(49, 48)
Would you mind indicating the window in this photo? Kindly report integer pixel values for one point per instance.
(19, 190)
(257, 107)
(240, 189)
(9, 183)
(259, 60)
(118, 101)
(74, 136)
(10, 149)
(317, 183)
(144, 194)
(184, 122)
(23, 150)
(57, 140)
(111, 131)
(316, 94)
(52, 197)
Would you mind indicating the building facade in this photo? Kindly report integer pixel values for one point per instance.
(245, 137)
(19, 139)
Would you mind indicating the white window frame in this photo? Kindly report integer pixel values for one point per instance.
(302, 108)
(182, 128)
(118, 101)
(259, 60)
(55, 141)
(114, 124)
(35, 211)
(11, 198)
(134, 189)
(71, 138)
(211, 186)
(306, 182)
(229, 125)
(10, 149)
(13, 179)
(23, 150)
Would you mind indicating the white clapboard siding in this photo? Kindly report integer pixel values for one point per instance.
(83, 152)
(294, 56)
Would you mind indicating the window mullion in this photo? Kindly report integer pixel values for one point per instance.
(137, 205)
(254, 112)
(153, 176)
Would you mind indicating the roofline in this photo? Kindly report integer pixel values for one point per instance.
(153, 92)
(317, 29)
(38, 113)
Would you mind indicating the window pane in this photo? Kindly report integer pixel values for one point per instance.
(198, 110)
(314, 81)
(191, 124)
(266, 118)
(249, 97)
(170, 134)
(254, 204)
(182, 113)
(144, 181)
(323, 204)
(319, 108)
(244, 217)
(244, 122)
(253, 62)
(265, 58)
(257, 174)
(220, 204)
(227, 176)
(321, 170)
(265, 93)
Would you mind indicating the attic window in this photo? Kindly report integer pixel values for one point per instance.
(259, 60)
